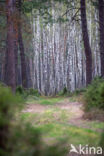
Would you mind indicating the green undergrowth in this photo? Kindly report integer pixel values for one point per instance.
(25, 93)
(94, 95)
(93, 100)
(66, 93)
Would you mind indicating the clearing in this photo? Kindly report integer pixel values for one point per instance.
(62, 117)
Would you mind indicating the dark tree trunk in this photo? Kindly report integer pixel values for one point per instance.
(16, 46)
(101, 26)
(21, 47)
(87, 47)
(10, 67)
(3, 68)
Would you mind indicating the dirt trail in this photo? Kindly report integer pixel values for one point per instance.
(36, 108)
(73, 107)
(76, 108)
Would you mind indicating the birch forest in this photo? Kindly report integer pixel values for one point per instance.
(52, 41)
(51, 77)
(59, 57)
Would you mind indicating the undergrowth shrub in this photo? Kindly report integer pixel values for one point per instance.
(34, 92)
(26, 92)
(94, 114)
(8, 103)
(20, 90)
(64, 92)
(94, 95)
(79, 91)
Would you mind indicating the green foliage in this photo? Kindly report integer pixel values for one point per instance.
(64, 92)
(25, 93)
(40, 4)
(94, 95)
(19, 90)
(62, 20)
(34, 92)
(77, 92)
(49, 101)
(8, 103)
(94, 3)
(22, 92)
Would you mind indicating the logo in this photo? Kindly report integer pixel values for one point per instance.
(86, 150)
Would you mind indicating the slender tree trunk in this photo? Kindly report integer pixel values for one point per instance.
(10, 67)
(21, 47)
(101, 26)
(87, 47)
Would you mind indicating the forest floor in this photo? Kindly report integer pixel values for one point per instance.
(62, 117)
(73, 109)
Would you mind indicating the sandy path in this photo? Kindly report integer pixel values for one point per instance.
(36, 108)
(73, 107)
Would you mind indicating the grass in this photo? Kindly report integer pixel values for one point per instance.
(50, 101)
(45, 100)
(73, 98)
(49, 116)
(95, 125)
(55, 125)
(76, 98)
(75, 135)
